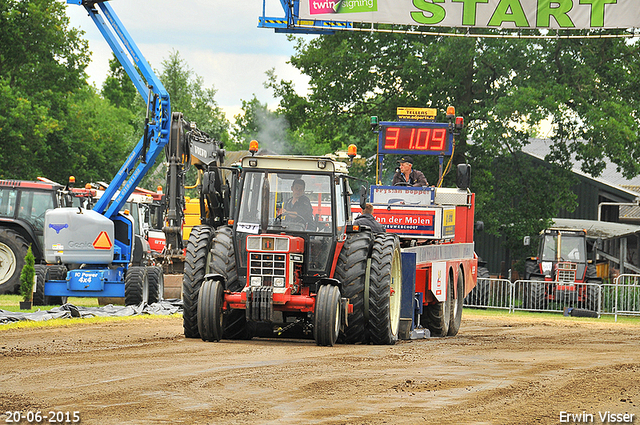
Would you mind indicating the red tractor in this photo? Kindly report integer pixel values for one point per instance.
(291, 261)
(282, 269)
(561, 272)
(22, 208)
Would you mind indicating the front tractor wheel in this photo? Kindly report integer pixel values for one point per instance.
(385, 289)
(210, 304)
(535, 296)
(222, 261)
(327, 315)
(195, 267)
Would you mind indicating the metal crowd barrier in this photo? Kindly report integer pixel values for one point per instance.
(490, 293)
(619, 298)
(622, 298)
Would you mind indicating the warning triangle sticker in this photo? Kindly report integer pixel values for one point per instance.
(102, 241)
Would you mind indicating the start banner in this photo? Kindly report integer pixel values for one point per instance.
(499, 14)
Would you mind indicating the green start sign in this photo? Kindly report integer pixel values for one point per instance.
(504, 14)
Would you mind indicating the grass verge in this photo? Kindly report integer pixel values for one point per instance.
(58, 323)
(12, 303)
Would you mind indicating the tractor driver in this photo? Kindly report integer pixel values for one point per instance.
(407, 176)
(298, 206)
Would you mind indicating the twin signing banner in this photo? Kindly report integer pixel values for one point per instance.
(508, 14)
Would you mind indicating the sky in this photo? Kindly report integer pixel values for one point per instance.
(220, 41)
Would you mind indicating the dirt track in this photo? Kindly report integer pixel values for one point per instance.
(496, 371)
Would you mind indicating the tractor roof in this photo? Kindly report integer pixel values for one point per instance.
(294, 163)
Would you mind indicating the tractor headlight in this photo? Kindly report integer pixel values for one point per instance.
(278, 282)
(256, 281)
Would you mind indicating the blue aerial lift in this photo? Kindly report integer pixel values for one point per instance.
(97, 247)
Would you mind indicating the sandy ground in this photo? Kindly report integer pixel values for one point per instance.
(498, 370)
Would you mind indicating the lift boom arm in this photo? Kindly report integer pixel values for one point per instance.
(158, 121)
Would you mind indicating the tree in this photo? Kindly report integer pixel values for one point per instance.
(189, 96)
(53, 124)
(118, 87)
(197, 103)
(27, 275)
(505, 89)
(268, 128)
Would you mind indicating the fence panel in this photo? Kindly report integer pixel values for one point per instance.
(538, 295)
(622, 297)
(491, 293)
(619, 298)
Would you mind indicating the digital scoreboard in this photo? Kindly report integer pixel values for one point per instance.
(418, 138)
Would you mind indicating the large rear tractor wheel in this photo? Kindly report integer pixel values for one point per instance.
(327, 315)
(385, 289)
(136, 285)
(195, 267)
(210, 304)
(351, 271)
(156, 284)
(222, 260)
(456, 304)
(436, 317)
(13, 248)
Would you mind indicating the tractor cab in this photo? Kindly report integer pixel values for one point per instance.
(290, 214)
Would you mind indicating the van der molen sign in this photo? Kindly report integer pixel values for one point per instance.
(508, 14)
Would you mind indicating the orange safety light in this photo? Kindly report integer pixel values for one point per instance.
(451, 112)
(253, 146)
(352, 151)
(159, 189)
(230, 222)
(87, 186)
(72, 179)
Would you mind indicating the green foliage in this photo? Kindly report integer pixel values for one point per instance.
(198, 105)
(189, 96)
(269, 128)
(27, 275)
(118, 87)
(52, 123)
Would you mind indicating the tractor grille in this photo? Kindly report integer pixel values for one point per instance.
(567, 272)
(268, 266)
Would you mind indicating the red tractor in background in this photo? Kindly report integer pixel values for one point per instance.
(561, 272)
(22, 208)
